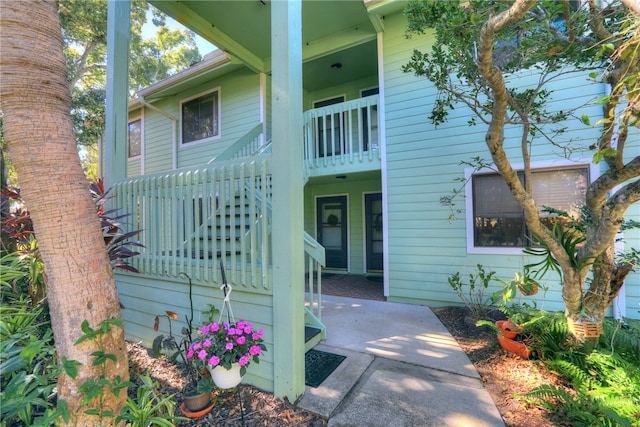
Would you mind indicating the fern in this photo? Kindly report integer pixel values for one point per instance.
(577, 375)
(583, 409)
(606, 381)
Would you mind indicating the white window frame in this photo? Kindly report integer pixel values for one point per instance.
(594, 172)
(218, 109)
(131, 120)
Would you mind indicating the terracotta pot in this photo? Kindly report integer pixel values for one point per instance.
(530, 287)
(197, 402)
(508, 328)
(226, 378)
(514, 347)
(196, 414)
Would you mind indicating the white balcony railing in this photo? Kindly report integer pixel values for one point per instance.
(342, 134)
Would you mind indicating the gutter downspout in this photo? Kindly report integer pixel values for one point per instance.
(174, 128)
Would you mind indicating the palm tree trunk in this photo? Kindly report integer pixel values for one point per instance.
(35, 101)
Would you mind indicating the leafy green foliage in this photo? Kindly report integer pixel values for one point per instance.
(150, 407)
(95, 389)
(29, 371)
(27, 361)
(472, 293)
(606, 381)
(84, 26)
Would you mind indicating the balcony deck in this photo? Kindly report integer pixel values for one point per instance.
(342, 138)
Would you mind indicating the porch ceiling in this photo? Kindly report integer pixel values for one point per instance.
(333, 31)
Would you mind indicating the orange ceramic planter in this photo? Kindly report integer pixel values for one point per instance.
(514, 347)
(508, 328)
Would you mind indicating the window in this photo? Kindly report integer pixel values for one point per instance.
(201, 118)
(497, 220)
(135, 137)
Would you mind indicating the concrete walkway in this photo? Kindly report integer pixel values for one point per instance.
(403, 368)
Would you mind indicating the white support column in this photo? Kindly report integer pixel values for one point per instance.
(116, 117)
(288, 226)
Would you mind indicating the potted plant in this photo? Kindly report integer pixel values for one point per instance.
(197, 393)
(226, 350)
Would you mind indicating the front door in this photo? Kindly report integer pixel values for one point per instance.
(332, 230)
(373, 223)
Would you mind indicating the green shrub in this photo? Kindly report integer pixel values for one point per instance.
(472, 293)
(27, 363)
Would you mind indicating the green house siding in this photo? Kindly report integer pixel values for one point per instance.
(350, 90)
(240, 112)
(422, 162)
(144, 298)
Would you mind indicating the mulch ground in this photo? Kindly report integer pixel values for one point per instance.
(504, 376)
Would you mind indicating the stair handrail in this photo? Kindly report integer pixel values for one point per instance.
(235, 148)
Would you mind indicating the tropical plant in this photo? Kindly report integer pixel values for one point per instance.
(18, 229)
(150, 407)
(27, 363)
(119, 242)
(80, 281)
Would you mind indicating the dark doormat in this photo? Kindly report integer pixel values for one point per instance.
(318, 365)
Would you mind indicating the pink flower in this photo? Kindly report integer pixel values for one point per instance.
(207, 343)
(229, 346)
(214, 327)
(241, 340)
(243, 360)
(205, 329)
(240, 324)
(214, 361)
(202, 354)
(189, 354)
(197, 346)
(255, 336)
(260, 332)
(247, 330)
(254, 350)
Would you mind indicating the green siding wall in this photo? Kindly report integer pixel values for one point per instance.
(422, 163)
(240, 112)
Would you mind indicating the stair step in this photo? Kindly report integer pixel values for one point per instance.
(310, 332)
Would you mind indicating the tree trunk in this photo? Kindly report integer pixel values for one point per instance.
(35, 101)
